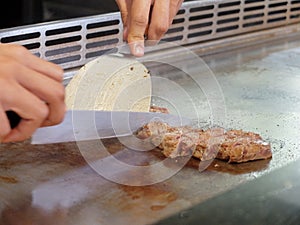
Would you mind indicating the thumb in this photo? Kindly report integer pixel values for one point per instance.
(138, 22)
(135, 39)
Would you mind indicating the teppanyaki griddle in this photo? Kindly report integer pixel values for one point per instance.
(257, 70)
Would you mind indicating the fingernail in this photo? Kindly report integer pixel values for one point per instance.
(138, 49)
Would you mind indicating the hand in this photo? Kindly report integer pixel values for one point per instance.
(146, 17)
(32, 88)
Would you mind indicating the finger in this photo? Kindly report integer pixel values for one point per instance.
(159, 20)
(4, 128)
(122, 4)
(174, 8)
(31, 109)
(48, 90)
(54, 118)
(44, 67)
(138, 21)
(124, 7)
(22, 55)
(149, 20)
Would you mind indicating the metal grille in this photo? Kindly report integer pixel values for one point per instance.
(72, 43)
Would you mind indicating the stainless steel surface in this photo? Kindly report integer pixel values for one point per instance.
(270, 199)
(83, 125)
(72, 43)
(257, 71)
(261, 89)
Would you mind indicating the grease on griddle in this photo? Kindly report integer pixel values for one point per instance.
(232, 168)
(17, 154)
(157, 197)
(10, 180)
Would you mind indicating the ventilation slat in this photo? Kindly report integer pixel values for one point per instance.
(62, 50)
(254, 9)
(63, 36)
(72, 43)
(228, 16)
(179, 16)
(200, 21)
(175, 26)
(254, 2)
(277, 20)
(202, 8)
(200, 33)
(20, 38)
(27, 42)
(228, 12)
(200, 25)
(253, 16)
(99, 29)
(220, 25)
(273, 16)
(227, 28)
(295, 10)
(252, 20)
(70, 55)
(232, 8)
(175, 39)
(228, 20)
(281, 8)
(277, 4)
(207, 15)
(253, 23)
(95, 49)
(99, 52)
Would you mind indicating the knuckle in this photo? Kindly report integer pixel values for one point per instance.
(174, 4)
(162, 28)
(57, 116)
(60, 93)
(23, 136)
(3, 133)
(19, 50)
(59, 70)
(56, 94)
(140, 20)
(42, 113)
(8, 66)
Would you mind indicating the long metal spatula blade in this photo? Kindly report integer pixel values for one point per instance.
(82, 125)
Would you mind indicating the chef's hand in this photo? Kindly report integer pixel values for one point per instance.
(32, 88)
(136, 15)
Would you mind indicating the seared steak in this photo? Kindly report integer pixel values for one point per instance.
(232, 145)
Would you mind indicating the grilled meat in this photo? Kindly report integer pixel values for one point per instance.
(234, 146)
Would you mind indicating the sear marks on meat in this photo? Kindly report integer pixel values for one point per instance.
(158, 109)
(173, 141)
(234, 146)
(240, 146)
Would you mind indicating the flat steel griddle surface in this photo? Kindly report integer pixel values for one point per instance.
(52, 184)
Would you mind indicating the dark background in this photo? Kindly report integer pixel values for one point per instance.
(23, 12)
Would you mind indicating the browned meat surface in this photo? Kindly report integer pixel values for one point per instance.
(240, 146)
(232, 145)
(158, 109)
